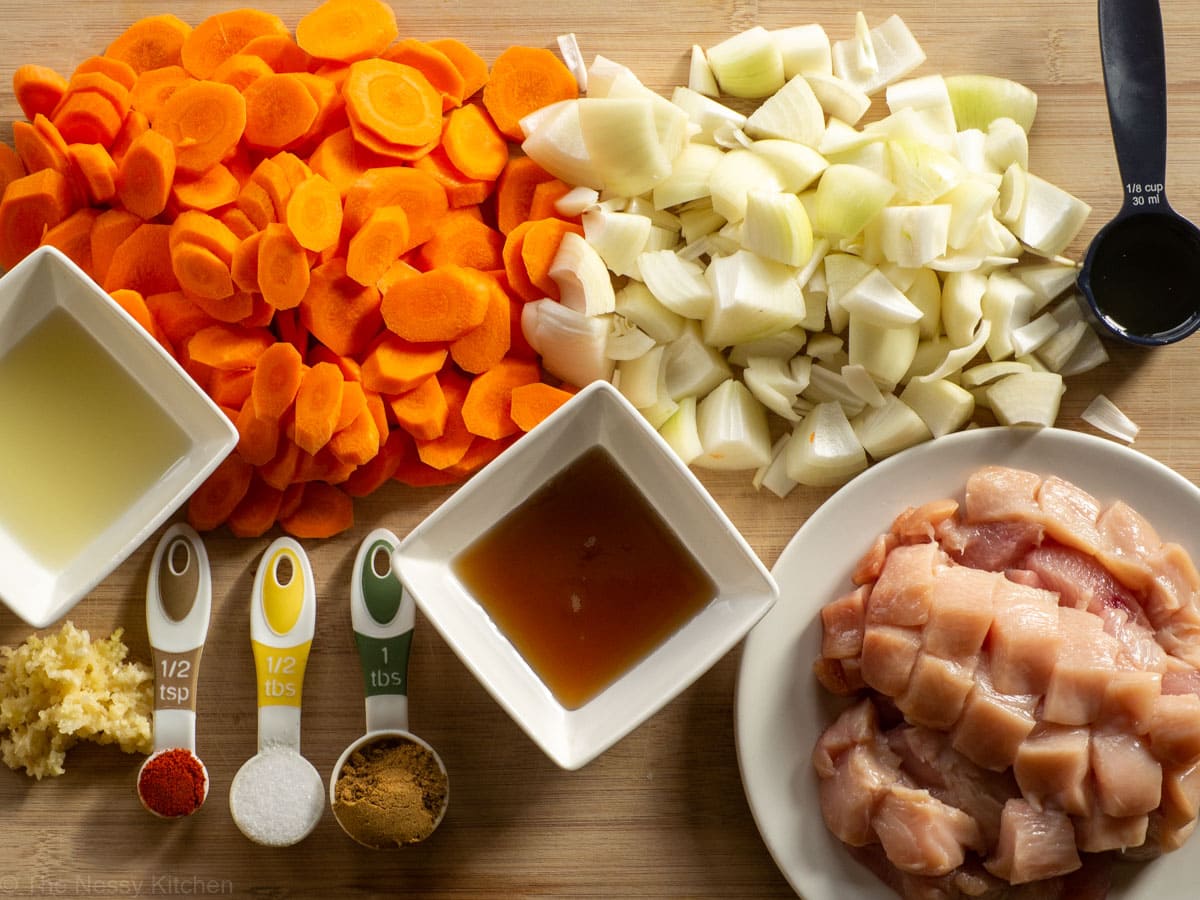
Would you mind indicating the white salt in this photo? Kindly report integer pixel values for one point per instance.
(277, 797)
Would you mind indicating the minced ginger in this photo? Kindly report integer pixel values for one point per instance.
(59, 689)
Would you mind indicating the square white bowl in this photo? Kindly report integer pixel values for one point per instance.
(597, 416)
(43, 282)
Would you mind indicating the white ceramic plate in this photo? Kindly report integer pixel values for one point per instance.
(780, 708)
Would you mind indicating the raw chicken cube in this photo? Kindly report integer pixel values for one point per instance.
(1069, 514)
(1181, 795)
(1086, 659)
(994, 546)
(1127, 541)
(961, 614)
(888, 657)
(1052, 768)
(1033, 844)
(850, 796)
(992, 725)
(1129, 698)
(1176, 583)
(1097, 833)
(904, 590)
(997, 493)
(1175, 729)
(872, 561)
(1128, 778)
(918, 524)
(936, 691)
(921, 834)
(1024, 638)
(844, 620)
(857, 724)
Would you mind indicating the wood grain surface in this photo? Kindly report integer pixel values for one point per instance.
(662, 814)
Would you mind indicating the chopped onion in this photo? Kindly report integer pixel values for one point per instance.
(777, 227)
(635, 302)
(823, 450)
(733, 429)
(943, 406)
(1029, 398)
(748, 64)
(753, 297)
(643, 378)
(838, 97)
(979, 100)
(700, 76)
(680, 432)
(1105, 415)
(676, 283)
(582, 278)
(847, 198)
(889, 428)
(572, 345)
(792, 113)
(875, 299)
(804, 49)
(693, 368)
(626, 340)
(568, 47)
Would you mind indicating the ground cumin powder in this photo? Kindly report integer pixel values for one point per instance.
(389, 793)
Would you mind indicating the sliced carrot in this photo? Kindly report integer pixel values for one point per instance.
(258, 437)
(515, 271)
(545, 199)
(341, 313)
(481, 452)
(540, 247)
(229, 388)
(210, 190)
(145, 175)
(221, 35)
(522, 80)
(255, 204)
(73, 236)
(393, 101)
(95, 169)
(514, 191)
(257, 511)
(421, 411)
(314, 213)
(354, 401)
(201, 273)
(86, 117)
(461, 192)
(109, 230)
(382, 240)
(116, 69)
(31, 205)
(242, 70)
(224, 346)
(435, 65)
(205, 120)
(394, 365)
(440, 305)
(452, 444)
(338, 158)
(486, 410)
(279, 51)
(531, 403)
(135, 125)
(205, 230)
(372, 475)
(243, 266)
(11, 167)
(294, 169)
(211, 503)
(277, 377)
(154, 88)
(275, 180)
(357, 443)
(38, 89)
(464, 240)
(324, 512)
(422, 198)
(280, 472)
(471, 66)
(393, 153)
(290, 329)
(279, 111)
(488, 343)
(396, 272)
(151, 42)
(178, 317)
(474, 144)
(283, 268)
(347, 30)
(37, 147)
(318, 402)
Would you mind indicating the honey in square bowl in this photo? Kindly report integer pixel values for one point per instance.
(586, 577)
(105, 435)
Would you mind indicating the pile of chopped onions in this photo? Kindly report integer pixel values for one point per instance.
(798, 291)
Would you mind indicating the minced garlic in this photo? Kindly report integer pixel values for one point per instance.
(59, 689)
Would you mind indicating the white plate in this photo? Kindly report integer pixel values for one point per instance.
(780, 708)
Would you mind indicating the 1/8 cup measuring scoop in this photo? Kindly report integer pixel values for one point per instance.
(1141, 275)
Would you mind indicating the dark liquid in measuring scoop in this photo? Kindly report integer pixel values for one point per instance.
(1146, 280)
(584, 578)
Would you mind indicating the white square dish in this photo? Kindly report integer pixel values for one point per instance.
(598, 416)
(143, 446)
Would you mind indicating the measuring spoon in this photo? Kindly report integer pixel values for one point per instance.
(1141, 275)
(277, 796)
(178, 608)
(408, 800)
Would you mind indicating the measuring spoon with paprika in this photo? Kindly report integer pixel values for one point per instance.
(277, 796)
(389, 788)
(173, 782)
(1141, 274)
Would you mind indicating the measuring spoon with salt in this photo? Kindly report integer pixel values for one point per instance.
(410, 788)
(277, 796)
(173, 782)
(1141, 275)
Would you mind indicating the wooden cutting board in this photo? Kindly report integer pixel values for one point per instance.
(663, 813)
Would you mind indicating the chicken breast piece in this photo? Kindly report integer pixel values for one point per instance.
(1024, 639)
(936, 691)
(1127, 777)
(843, 622)
(1052, 768)
(1033, 844)
(889, 654)
(999, 493)
(903, 593)
(961, 614)
(921, 834)
(992, 725)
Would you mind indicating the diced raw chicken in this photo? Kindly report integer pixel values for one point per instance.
(921, 834)
(843, 623)
(904, 590)
(1176, 584)
(937, 688)
(1181, 795)
(1128, 778)
(992, 725)
(997, 493)
(889, 654)
(919, 524)
(1069, 514)
(872, 561)
(994, 546)
(1087, 657)
(1033, 844)
(857, 724)
(1052, 768)
(1175, 729)
(1181, 680)
(961, 614)
(842, 677)
(1180, 636)
(1129, 697)
(1127, 541)
(1024, 638)
(1098, 833)
(852, 794)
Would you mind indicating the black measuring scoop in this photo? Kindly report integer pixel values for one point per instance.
(1141, 275)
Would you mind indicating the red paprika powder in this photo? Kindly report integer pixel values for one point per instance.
(172, 783)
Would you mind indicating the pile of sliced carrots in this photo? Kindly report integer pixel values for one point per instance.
(332, 231)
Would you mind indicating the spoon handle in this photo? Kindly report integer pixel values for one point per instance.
(283, 612)
(178, 609)
(383, 614)
(1135, 82)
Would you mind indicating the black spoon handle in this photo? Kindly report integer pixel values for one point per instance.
(1135, 81)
